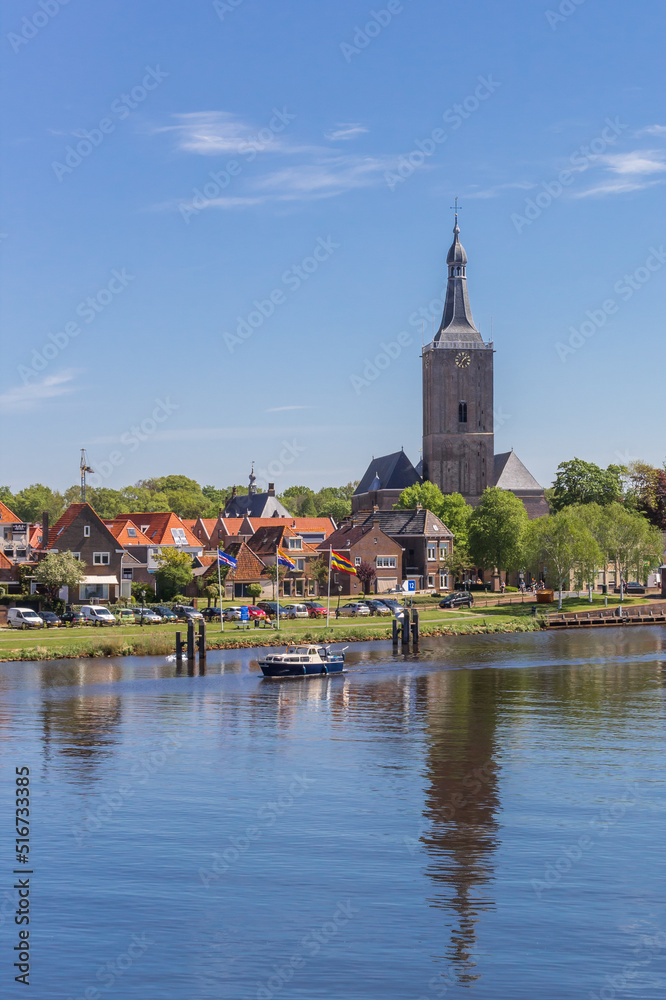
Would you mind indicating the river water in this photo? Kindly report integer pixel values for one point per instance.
(483, 820)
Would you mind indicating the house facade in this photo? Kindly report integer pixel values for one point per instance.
(84, 534)
(426, 542)
(364, 543)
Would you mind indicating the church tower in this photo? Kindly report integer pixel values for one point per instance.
(458, 436)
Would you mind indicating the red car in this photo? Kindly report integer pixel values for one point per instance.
(257, 613)
(315, 610)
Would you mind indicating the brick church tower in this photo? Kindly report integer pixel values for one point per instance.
(458, 435)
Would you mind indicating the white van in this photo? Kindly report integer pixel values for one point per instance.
(97, 615)
(23, 618)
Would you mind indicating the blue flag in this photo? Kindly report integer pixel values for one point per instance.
(225, 560)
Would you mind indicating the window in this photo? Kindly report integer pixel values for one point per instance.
(131, 532)
(179, 536)
(443, 581)
(431, 581)
(432, 551)
(300, 564)
(77, 556)
(86, 531)
(357, 560)
(387, 562)
(296, 543)
(101, 558)
(443, 549)
(462, 413)
(89, 590)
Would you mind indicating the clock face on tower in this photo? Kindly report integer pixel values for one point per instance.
(463, 359)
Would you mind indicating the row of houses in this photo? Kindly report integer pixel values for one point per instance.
(399, 545)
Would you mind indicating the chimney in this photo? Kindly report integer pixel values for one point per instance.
(271, 489)
(45, 528)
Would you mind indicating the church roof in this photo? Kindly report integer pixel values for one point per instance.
(390, 472)
(511, 474)
(457, 322)
(255, 505)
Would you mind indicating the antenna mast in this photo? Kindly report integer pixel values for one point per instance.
(84, 468)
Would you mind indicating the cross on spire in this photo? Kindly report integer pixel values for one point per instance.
(456, 207)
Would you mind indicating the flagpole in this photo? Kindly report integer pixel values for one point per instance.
(328, 606)
(277, 582)
(219, 583)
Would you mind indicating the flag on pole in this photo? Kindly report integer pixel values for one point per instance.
(341, 563)
(224, 560)
(284, 560)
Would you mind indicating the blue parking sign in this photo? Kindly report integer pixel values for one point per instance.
(245, 613)
(411, 586)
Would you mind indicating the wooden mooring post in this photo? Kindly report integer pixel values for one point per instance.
(190, 647)
(179, 652)
(415, 630)
(202, 647)
(405, 630)
(395, 635)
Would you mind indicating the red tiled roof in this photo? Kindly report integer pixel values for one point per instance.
(158, 525)
(68, 519)
(36, 536)
(8, 515)
(119, 530)
(4, 562)
(307, 524)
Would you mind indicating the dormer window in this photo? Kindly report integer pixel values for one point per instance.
(131, 532)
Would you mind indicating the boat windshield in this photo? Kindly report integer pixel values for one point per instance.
(298, 649)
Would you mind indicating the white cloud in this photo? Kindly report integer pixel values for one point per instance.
(329, 177)
(659, 130)
(345, 131)
(27, 397)
(281, 409)
(640, 162)
(211, 133)
(632, 171)
(493, 192)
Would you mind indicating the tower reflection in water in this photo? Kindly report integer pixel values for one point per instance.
(460, 829)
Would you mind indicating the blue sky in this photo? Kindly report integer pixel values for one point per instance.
(218, 217)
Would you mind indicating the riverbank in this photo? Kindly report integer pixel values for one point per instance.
(105, 644)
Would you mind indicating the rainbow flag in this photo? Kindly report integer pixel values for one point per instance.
(284, 560)
(341, 563)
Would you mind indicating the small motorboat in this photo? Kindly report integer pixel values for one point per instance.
(303, 661)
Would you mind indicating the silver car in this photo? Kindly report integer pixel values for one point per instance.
(354, 610)
(296, 611)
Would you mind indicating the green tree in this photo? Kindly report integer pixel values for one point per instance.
(31, 501)
(579, 482)
(455, 512)
(141, 591)
(564, 544)
(335, 508)
(174, 573)
(59, 569)
(495, 530)
(274, 572)
(7, 497)
(254, 590)
(426, 494)
(319, 570)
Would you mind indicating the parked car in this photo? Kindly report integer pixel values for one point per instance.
(232, 614)
(257, 614)
(74, 619)
(24, 618)
(97, 615)
(148, 617)
(186, 612)
(459, 599)
(354, 610)
(211, 614)
(50, 619)
(376, 607)
(125, 616)
(315, 610)
(166, 614)
(270, 607)
(395, 609)
(296, 611)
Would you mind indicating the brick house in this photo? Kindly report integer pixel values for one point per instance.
(365, 543)
(426, 542)
(14, 536)
(81, 532)
(299, 582)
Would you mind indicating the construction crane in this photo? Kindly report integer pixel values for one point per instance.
(84, 468)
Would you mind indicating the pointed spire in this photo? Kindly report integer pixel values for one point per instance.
(457, 322)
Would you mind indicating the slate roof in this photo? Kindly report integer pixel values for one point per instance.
(267, 537)
(457, 322)
(511, 474)
(405, 522)
(347, 535)
(390, 472)
(255, 505)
